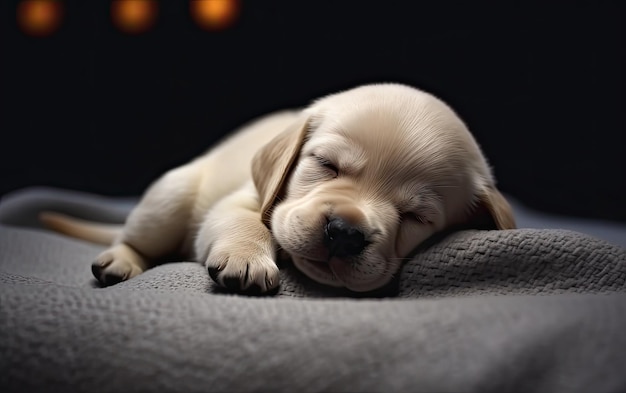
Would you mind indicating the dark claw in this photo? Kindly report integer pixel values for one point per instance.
(111, 279)
(105, 279)
(96, 270)
(214, 273)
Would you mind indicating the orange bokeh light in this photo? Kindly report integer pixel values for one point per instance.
(214, 14)
(134, 16)
(39, 17)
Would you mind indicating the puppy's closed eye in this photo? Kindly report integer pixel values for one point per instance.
(327, 165)
(413, 217)
(423, 206)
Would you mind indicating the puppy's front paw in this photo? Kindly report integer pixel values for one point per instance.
(118, 263)
(242, 270)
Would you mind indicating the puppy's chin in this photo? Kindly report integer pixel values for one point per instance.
(317, 270)
(338, 273)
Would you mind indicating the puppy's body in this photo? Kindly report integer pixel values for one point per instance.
(349, 186)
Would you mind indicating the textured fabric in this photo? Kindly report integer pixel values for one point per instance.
(521, 310)
(486, 311)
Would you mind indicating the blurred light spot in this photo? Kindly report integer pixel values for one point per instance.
(134, 16)
(39, 17)
(214, 14)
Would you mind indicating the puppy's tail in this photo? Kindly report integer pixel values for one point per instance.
(94, 232)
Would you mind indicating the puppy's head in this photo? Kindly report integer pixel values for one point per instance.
(365, 176)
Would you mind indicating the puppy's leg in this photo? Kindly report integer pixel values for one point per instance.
(236, 247)
(156, 227)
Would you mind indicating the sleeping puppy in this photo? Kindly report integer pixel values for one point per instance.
(347, 188)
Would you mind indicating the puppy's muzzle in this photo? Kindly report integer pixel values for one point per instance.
(343, 239)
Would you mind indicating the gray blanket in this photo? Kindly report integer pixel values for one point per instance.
(521, 310)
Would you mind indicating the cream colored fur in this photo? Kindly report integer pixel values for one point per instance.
(394, 162)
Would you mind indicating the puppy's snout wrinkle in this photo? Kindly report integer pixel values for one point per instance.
(343, 239)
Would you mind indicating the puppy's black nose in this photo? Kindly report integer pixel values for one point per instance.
(343, 239)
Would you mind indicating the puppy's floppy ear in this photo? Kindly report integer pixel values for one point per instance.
(492, 210)
(272, 164)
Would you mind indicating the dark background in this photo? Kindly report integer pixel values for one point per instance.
(94, 109)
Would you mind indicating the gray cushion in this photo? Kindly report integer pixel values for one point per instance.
(520, 310)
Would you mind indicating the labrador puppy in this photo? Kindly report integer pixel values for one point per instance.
(347, 188)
